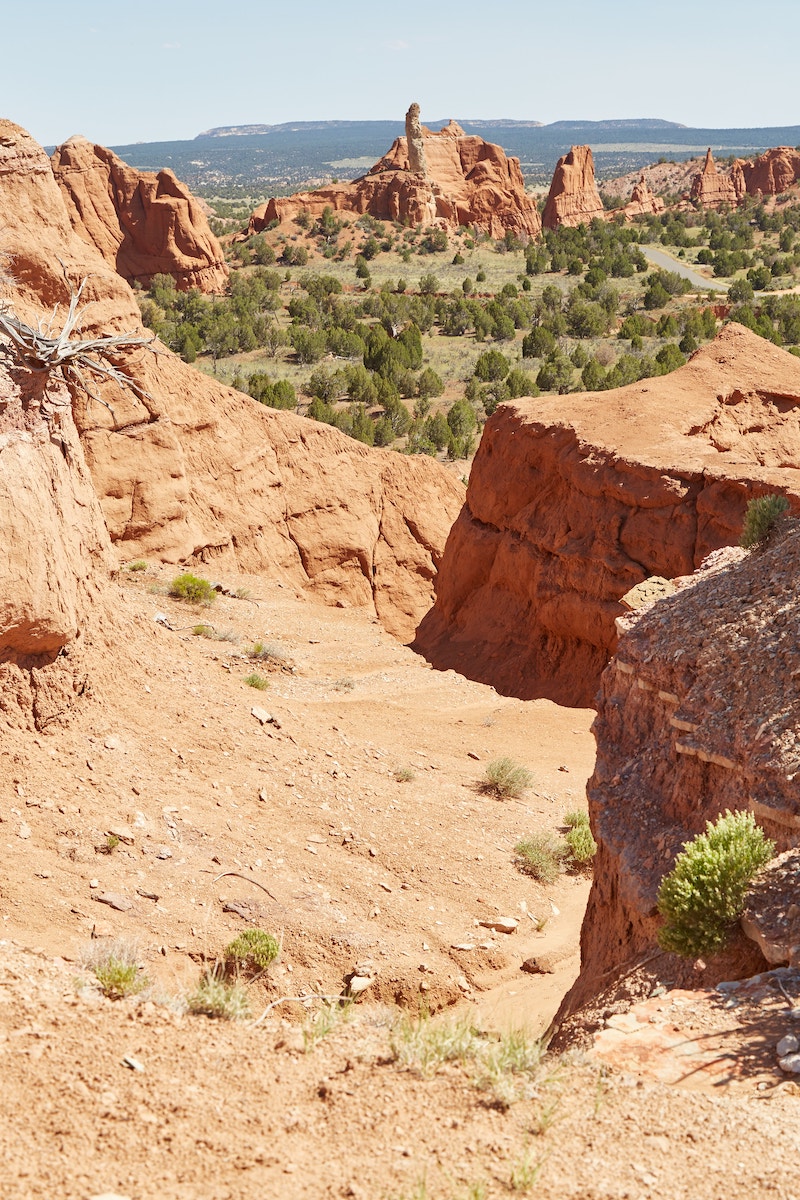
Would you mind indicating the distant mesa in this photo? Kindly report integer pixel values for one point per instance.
(574, 198)
(447, 176)
(144, 224)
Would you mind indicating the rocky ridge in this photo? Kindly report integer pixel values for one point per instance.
(573, 500)
(448, 176)
(143, 224)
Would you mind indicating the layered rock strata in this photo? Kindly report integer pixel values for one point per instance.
(699, 712)
(143, 224)
(189, 470)
(573, 500)
(446, 176)
(713, 189)
(573, 198)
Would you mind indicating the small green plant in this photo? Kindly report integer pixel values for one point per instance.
(242, 593)
(542, 856)
(581, 844)
(266, 653)
(252, 950)
(424, 1044)
(575, 818)
(323, 1022)
(192, 589)
(139, 565)
(206, 631)
(704, 893)
(254, 680)
(506, 779)
(759, 519)
(525, 1172)
(507, 1069)
(115, 965)
(112, 841)
(404, 775)
(216, 997)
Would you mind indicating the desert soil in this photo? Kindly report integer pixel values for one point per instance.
(400, 876)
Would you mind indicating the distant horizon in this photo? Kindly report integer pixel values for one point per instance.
(169, 71)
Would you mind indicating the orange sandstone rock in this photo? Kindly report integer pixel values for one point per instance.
(143, 224)
(712, 189)
(643, 201)
(573, 198)
(573, 500)
(194, 471)
(450, 176)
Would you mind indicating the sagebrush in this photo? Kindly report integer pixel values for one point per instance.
(542, 855)
(506, 779)
(704, 893)
(192, 588)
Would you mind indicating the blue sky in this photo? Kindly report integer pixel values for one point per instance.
(152, 71)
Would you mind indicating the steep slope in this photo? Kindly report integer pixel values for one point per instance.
(698, 712)
(573, 500)
(193, 470)
(143, 224)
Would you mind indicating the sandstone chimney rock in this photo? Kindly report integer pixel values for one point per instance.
(573, 500)
(450, 177)
(190, 470)
(143, 224)
(573, 198)
(711, 189)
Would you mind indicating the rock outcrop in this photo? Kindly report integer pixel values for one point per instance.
(574, 499)
(643, 202)
(192, 470)
(143, 224)
(771, 173)
(698, 712)
(449, 177)
(573, 198)
(712, 189)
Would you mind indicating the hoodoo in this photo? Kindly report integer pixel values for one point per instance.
(447, 176)
(574, 198)
(711, 189)
(574, 499)
(143, 224)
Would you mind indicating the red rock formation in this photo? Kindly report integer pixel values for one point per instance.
(699, 712)
(773, 172)
(711, 189)
(573, 198)
(467, 181)
(574, 499)
(194, 470)
(642, 202)
(143, 224)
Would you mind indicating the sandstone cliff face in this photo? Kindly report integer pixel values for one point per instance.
(711, 189)
(573, 198)
(465, 181)
(143, 224)
(771, 173)
(197, 471)
(574, 499)
(699, 712)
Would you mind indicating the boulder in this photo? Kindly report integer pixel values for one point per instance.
(573, 198)
(573, 500)
(448, 176)
(143, 224)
